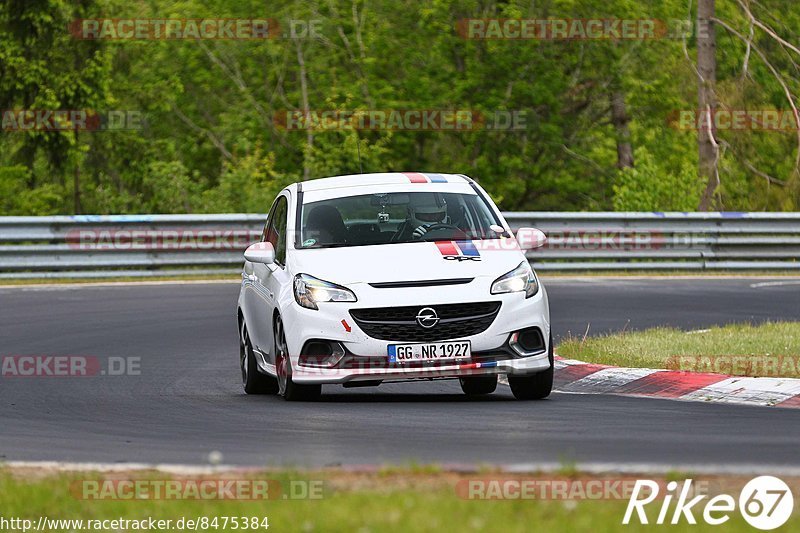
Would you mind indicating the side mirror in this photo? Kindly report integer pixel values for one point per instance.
(260, 252)
(531, 238)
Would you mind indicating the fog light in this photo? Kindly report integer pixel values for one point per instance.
(322, 353)
(527, 341)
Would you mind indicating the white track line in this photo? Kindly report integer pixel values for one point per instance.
(520, 468)
(677, 277)
(773, 284)
(112, 284)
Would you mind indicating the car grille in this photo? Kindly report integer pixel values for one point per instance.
(400, 323)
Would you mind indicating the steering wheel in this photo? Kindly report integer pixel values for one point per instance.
(441, 225)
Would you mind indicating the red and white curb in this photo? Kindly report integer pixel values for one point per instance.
(588, 378)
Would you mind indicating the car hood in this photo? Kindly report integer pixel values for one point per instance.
(409, 261)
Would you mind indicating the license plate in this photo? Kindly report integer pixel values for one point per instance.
(435, 351)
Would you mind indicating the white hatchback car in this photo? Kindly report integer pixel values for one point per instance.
(389, 277)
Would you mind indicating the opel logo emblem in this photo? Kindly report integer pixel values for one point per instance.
(427, 318)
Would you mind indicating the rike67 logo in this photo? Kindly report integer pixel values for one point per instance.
(765, 502)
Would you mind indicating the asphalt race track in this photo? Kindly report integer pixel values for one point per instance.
(188, 399)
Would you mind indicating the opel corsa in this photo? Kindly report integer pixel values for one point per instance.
(375, 278)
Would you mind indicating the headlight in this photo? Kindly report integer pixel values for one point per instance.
(309, 291)
(520, 279)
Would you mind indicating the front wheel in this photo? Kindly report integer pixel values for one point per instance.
(478, 386)
(287, 388)
(534, 387)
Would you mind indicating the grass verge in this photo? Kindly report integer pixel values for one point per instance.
(771, 349)
(400, 501)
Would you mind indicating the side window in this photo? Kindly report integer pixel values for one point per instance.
(270, 216)
(275, 232)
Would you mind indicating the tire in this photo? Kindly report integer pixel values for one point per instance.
(287, 388)
(253, 381)
(536, 386)
(478, 386)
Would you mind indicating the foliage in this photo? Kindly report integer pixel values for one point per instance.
(210, 141)
(651, 187)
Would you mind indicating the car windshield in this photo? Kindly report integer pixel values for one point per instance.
(387, 218)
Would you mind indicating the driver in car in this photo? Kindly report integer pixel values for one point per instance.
(421, 216)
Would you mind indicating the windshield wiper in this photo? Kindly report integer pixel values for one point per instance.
(331, 245)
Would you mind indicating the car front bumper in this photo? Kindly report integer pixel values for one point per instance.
(367, 356)
(517, 366)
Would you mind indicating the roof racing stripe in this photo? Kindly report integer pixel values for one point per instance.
(416, 177)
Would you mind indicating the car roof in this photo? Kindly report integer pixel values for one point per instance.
(382, 178)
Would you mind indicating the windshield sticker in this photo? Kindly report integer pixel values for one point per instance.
(309, 242)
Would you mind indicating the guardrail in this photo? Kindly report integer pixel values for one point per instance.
(665, 241)
(147, 245)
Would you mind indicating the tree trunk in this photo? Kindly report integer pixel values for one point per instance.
(620, 120)
(306, 110)
(707, 76)
(76, 181)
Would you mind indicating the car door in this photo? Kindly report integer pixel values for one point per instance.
(269, 279)
(255, 304)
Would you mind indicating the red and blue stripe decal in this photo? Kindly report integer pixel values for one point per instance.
(418, 177)
(472, 366)
(457, 249)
